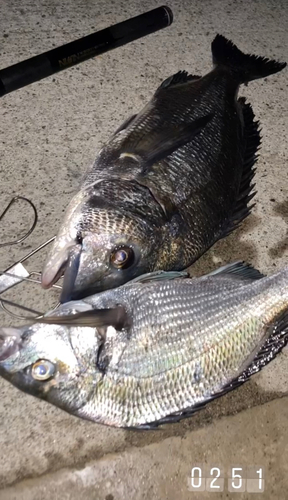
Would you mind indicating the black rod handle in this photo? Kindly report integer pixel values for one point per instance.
(46, 64)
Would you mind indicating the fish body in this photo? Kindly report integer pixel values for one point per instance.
(153, 350)
(169, 183)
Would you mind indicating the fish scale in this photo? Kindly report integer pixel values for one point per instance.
(175, 344)
(178, 388)
(191, 152)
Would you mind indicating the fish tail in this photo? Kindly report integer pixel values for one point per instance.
(246, 67)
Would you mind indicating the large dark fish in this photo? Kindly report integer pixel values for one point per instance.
(153, 351)
(170, 182)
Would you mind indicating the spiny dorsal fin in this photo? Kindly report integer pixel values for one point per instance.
(240, 269)
(178, 78)
(116, 317)
(125, 124)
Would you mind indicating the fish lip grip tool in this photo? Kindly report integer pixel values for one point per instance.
(17, 272)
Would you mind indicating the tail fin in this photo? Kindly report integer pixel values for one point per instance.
(246, 67)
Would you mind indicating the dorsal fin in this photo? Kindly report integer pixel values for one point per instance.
(178, 78)
(125, 124)
(246, 190)
(240, 269)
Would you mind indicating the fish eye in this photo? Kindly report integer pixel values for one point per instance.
(42, 370)
(122, 257)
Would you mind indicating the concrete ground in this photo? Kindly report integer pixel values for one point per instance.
(49, 134)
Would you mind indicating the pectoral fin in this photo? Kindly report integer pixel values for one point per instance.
(116, 317)
(159, 276)
(142, 157)
(154, 147)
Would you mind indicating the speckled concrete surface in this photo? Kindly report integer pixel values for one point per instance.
(161, 471)
(49, 134)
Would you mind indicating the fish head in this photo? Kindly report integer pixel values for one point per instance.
(52, 362)
(99, 247)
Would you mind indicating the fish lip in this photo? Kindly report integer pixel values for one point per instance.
(10, 341)
(55, 266)
(48, 280)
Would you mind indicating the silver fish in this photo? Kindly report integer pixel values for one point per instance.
(170, 182)
(153, 350)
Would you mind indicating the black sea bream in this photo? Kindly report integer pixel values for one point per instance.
(170, 182)
(151, 351)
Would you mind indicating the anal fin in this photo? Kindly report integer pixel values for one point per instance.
(277, 339)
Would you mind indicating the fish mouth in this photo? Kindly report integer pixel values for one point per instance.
(70, 274)
(49, 277)
(10, 341)
(66, 261)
